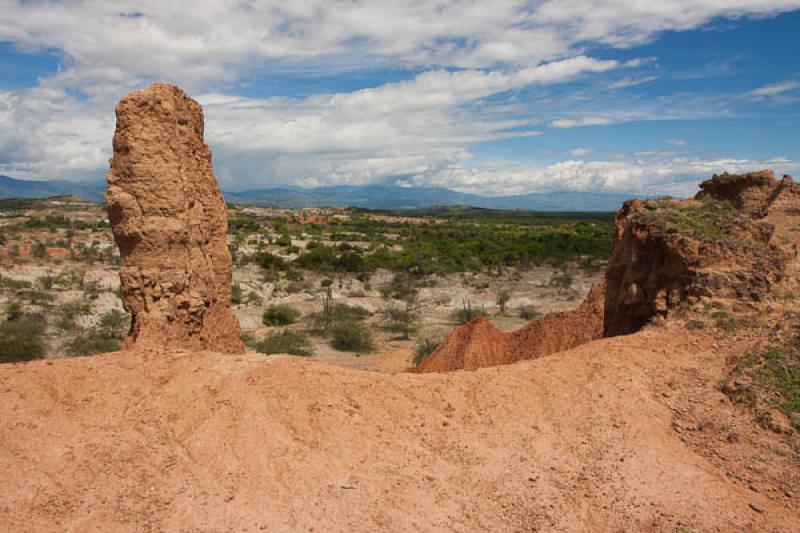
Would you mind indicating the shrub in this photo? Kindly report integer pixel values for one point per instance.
(334, 313)
(21, 339)
(467, 313)
(279, 315)
(13, 311)
(529, 312)
(351, 336)
(284, 341)
(236, 294)
(401, 319)
(270, 262)
(114, 323)
(562, 280)
(90, 342)
(502, 299)
(425, 347)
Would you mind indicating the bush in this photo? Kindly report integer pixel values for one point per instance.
(270, 262)
(90, 342)
(21, 339)
(13, 311)
(334, 313)
(284, 341)
(401, 320)
(561, 280)
(279, 315)
(529, 312)
(424, 349)
(467, 313)
(350, 336)
(236, 294)
(114, 323)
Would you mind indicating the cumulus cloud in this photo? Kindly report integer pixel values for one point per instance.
(464, 55)
(677, 176)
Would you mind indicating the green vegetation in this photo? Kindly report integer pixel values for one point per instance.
(467, 313)
(529, 312)
(351, 336)
(284, 341)
(279, 315)
(115, 323)
(21, 339)
(709, 220)
(725, 321)
(448, 240)
(775, 375)
(91, 341)
(401, 319)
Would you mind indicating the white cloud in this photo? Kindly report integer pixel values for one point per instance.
(580, 122)
(467, 53)
(677, 176)
(631, 82)
(775, 93)
(677, 142)
(580, 152)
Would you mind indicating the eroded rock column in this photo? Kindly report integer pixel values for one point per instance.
(170, 224)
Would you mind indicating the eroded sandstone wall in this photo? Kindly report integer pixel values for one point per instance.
(169, 221)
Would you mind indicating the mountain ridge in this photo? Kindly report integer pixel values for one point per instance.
(375, 196)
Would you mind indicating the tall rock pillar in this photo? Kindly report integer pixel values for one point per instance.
(170, 224)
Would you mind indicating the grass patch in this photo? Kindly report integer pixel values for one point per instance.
(708, 220)
(775, 376)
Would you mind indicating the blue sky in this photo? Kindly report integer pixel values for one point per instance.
(506, 97)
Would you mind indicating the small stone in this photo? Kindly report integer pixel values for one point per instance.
(756, 508)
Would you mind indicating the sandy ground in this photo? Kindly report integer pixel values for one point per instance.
(583, 440)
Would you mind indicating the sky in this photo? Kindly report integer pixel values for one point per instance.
(496, 98)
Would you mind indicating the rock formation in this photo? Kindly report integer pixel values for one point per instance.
(716, 248)
(479, 344)
(670, 253)
(751, 193)
(169, 221)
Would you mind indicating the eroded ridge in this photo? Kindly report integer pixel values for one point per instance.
(719, 246)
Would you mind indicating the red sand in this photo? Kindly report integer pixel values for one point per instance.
(582, 441)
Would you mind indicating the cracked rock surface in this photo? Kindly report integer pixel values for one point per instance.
(170, 224)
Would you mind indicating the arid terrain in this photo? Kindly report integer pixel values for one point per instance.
(663, 394)
(58, 259)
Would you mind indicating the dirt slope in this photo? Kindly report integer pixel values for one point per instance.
(579, 441)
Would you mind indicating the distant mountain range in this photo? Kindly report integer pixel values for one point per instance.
(15, 188)
(366, 196)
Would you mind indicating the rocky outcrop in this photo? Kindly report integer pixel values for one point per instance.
(750, 193)
(479, 344)
(712, 249)
(670, 253)
(169, 221)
